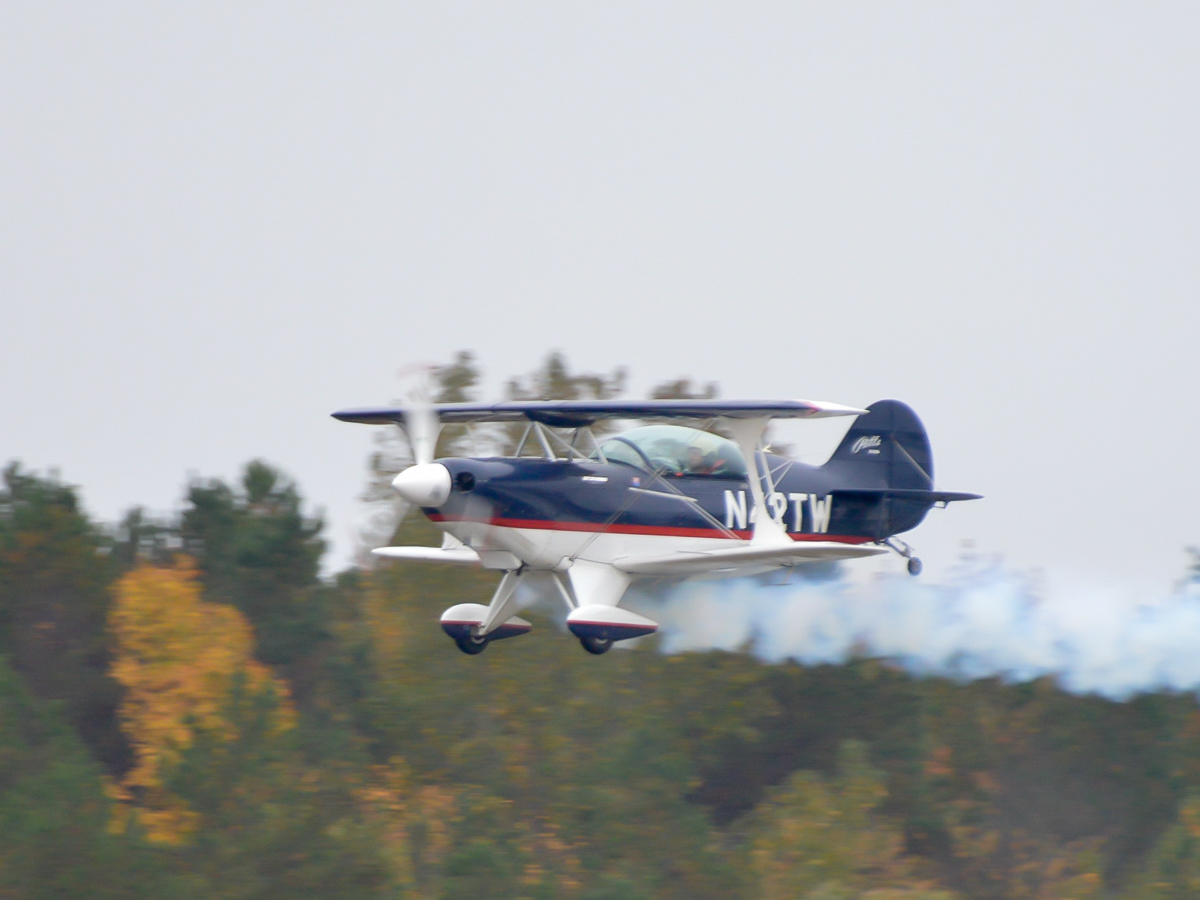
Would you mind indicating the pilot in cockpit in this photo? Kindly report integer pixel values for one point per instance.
(701, 463)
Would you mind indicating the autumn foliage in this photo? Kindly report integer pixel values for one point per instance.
(270, 733)
(179, 659)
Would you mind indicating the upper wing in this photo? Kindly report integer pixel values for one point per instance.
(695, 562)
(576, 413)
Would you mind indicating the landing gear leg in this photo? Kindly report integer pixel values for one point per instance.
(593, 645)
(473, 626)
(914, 564)
(596, 646)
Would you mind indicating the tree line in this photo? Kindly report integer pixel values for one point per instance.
(188, 709)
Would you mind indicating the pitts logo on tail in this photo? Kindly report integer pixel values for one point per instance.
(737, 516)
(868, 442)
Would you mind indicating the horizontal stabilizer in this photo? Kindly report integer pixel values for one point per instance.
(907, 494)
(696, 562)
(463, 556)
(576, 413)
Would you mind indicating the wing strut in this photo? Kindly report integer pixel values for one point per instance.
(768, 532)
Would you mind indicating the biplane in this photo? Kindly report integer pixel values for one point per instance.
(667, 499)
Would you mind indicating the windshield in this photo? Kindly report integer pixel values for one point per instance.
(675, 450)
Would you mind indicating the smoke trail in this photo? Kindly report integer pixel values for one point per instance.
(983, 621)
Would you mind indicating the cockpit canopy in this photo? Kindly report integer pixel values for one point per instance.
(675, 450)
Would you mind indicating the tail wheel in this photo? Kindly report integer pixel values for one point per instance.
(596, 646)
(914, 566)
(471, 644)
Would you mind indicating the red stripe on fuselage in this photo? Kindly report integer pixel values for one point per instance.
(664, 531)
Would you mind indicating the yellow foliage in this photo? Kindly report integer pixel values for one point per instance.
(388, 627)
(814, 838)
(1031, 867)
(414, 822)
(177, 657)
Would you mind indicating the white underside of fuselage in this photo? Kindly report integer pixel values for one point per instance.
(554, 549)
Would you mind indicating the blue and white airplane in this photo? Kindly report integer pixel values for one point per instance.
(657, 501)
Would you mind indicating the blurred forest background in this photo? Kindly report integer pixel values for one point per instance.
(187, 709)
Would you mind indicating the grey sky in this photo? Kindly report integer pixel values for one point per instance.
(218, 223)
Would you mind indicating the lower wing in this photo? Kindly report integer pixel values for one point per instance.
(681, 563)
(463, 556)
(696, 562)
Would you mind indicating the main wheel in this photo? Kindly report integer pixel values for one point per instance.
(595, 645)
(471, 644)
(914, 566)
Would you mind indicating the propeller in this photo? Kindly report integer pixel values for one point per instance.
(421, 423)
(421, 428)
(424, 483)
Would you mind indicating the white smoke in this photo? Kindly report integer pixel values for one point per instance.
(984, 620)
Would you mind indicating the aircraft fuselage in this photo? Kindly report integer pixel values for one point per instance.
(547, 510)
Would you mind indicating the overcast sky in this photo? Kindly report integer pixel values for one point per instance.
(220, 222)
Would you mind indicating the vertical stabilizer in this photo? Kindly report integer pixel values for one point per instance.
(886, 448)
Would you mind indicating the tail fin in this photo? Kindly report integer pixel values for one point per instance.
(886, 448)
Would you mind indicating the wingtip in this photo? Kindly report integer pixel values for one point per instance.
(824, 408)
